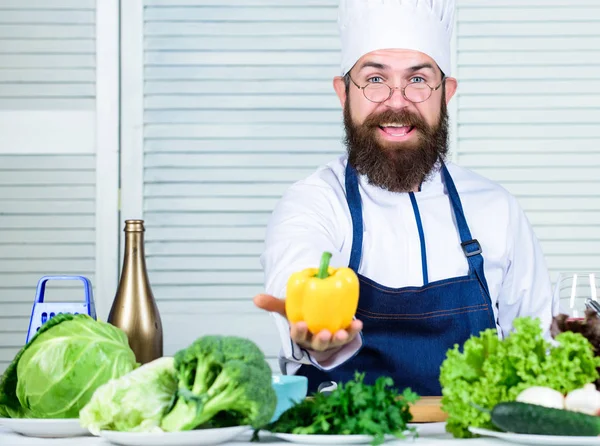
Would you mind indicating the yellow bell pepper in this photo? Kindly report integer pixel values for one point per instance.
(325, 298)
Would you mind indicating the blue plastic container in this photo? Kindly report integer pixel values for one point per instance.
(290, 389)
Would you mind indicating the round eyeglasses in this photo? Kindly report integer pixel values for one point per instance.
(414, 92)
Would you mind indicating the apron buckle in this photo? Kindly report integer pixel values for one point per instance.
(471, 252)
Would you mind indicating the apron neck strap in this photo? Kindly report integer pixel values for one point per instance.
(470, 246)
(354, 204)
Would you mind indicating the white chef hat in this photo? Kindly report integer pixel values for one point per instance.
(420, 25)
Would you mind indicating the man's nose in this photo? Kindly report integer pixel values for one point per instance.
(397, 100)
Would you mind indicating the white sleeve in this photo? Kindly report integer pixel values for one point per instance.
(526, 290)
(307, 221)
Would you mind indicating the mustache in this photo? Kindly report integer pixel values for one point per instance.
(401, 116)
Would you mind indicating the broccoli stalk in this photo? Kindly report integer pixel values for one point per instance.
(226, 379)
(185, 415)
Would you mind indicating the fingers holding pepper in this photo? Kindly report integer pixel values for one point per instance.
(299, 333)
(320, 306)
(324, 341)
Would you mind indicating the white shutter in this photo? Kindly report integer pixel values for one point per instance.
(47, 159)
(238, 104)
(528, 116)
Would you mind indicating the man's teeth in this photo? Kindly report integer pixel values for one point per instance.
(396, 129)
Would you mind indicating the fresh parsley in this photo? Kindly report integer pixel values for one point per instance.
(354, 408)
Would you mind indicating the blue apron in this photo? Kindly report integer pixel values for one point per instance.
(407, 331)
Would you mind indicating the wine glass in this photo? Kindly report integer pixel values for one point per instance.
(572, 290)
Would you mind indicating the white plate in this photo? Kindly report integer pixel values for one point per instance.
(429, 429)
(331, 439)
(45, 428)
(197, 437)
(537, 439)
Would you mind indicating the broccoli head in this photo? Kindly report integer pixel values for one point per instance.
(222, 380)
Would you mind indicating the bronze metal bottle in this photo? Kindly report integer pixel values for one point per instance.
(134, 309)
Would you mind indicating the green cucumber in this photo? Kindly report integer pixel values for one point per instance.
(524, 418)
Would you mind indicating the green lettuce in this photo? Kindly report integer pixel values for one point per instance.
(488, 371)
(135, 402)
(56, 373)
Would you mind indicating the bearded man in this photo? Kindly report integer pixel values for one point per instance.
(441, 253)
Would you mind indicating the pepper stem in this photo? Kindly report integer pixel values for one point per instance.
(325, 258)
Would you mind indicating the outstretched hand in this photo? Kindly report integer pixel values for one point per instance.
(322, 341)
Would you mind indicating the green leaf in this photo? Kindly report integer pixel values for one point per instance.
(135, 402)
(56, 373)
(10, 405)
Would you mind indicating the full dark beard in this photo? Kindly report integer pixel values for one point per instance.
(397, 167)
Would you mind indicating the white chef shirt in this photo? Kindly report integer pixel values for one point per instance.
(313, 217)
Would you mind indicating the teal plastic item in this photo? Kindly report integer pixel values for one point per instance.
(42, 311)
(290, 389)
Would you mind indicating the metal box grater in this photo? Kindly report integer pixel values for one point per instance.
(44, 311)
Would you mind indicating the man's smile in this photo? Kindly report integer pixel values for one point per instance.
(396, 131)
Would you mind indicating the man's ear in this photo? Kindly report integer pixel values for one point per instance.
(451, 86)
(339, 85)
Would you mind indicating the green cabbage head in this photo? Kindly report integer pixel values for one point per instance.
(135, 402)
(58, 371)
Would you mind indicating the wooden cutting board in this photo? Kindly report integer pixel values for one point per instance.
(428, 410)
